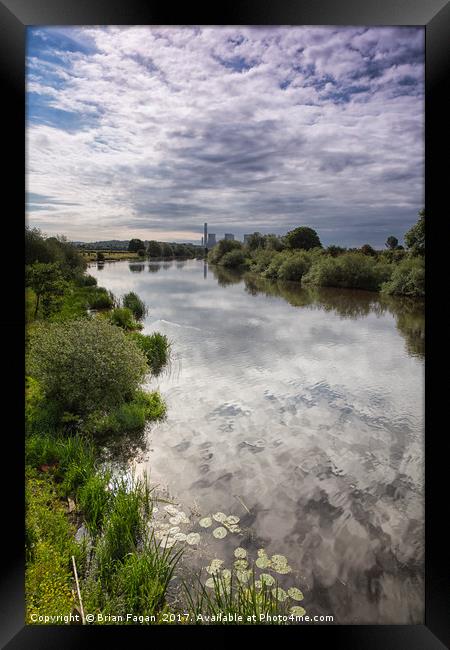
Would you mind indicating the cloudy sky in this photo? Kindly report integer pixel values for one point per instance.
(150, 131)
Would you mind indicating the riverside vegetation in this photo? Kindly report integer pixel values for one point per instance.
(300, 257)
(86, 363)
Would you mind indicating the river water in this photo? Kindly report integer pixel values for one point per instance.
(303, 414)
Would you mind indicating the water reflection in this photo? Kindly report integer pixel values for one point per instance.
(136, 267)
(154, 267)
(306, 407)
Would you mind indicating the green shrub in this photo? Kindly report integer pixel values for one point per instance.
(351, 270)
(156, 348)
(294, 267)
(123, 317)
(260, 260)
(85, 365)
(223, 246)
(408, 279)
(100, 298)
(271, 271)
(85, 280)
(233, 259)
(137, 306)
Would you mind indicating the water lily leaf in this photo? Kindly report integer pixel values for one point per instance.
(241, 564)
(295, 593)
(167, 541)
(220, 532)
(173, 530)
(267, 579)
(243, 576)
(206, 522)
(240, 552)
(263, 562)
(220, 517)
(232, 519)
(171, 510)
(180, 537)
(210, 583)
(279, 594)
(214, 567)
(226, 574)
(193, 538)
(297, 611)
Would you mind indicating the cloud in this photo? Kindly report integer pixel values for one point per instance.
(135, 131)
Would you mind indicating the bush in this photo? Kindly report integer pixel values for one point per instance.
(123, 317)
(128, 417)
(233, 259)
(100, 298)
(294, 267)
(156, 348)
(260, 260)
(132, 301)
(271, 271)
(85, 281)
(223, 246)
(408, 279)
(85, 364)
(352, 271)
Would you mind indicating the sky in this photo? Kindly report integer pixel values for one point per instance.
(148, 132)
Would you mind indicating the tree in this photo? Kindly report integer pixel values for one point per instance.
(48, 284)
(85, 364)
(391, 242)
(166, 249)
(367, 249)
(154, 249)
(256, 240)
(303, 237)
(135, 245)
(273, 242)
(415, 237)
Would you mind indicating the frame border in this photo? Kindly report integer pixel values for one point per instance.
(434, 15)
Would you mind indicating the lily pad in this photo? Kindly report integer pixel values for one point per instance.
(297, 611)
(210, 583)
(279, 594)
(193, 538)
(214, 567)
(240, 552)
(220, 532)
(171, 510)
(206, 522)
(267, 579)
(241, 565)
(180, 537)
(263, 562)
(220, 517)
(167, 541)
(231, 520)
(295, 593)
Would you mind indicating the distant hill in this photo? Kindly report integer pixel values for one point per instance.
(110, 245)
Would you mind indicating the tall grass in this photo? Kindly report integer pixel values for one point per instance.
(231, 597)
(156, 347)
(137, 306)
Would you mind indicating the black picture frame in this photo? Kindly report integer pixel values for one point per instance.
(15, 16)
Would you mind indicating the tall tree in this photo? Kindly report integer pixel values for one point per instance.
(391, 242)
(135, 245)
(303, 237)
(415, 237)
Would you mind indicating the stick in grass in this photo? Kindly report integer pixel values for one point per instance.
(78, 590)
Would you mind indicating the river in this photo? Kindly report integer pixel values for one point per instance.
(302, 413)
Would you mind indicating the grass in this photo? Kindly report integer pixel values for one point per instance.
(137, 306)
(230, 598)
(123, 317)
(156, 347)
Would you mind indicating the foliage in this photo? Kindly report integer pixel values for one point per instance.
(222, 247)
(415, 237)
(135, 245)
(49, 546)
(85, 280)
(391, 242)
(352, 270)
(94, 498)
(48, 285)
(100, 298)
(123, 317)
(334, 251)
(294, 267)
(156, 347)
(166, 250)
(366, 249)
(255, 240)
(132, 301)
(85, 364)
(128, 417)
(52, 250)
(408, 279)
(100, 256)
(154, 249)
(302, 237)
(233, 259)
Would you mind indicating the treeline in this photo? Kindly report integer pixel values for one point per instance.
(157, 249)
(300, 257)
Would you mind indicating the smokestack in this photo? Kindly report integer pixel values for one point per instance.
(205, 233)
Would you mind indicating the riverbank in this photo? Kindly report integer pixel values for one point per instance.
(88, 526)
